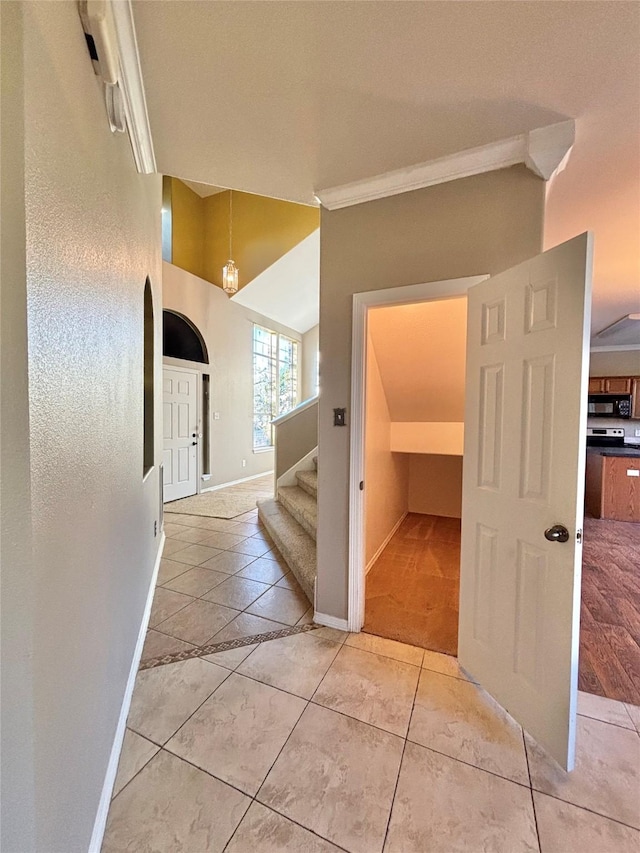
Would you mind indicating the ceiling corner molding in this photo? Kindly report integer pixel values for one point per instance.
(131, 84)
(113, 47)
(548, 148)
(616, 348)
(544, 150)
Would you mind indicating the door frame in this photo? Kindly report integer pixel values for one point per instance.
(362, 302)
(167, 363)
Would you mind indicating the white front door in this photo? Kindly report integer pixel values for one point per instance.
(180, 419)
(525, 426)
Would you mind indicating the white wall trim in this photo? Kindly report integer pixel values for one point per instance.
(617, 348)
(544, 150)
(112, 767)
(330, 621)
(235, 482)
(131, 85)
(362, 302)
(388, 539)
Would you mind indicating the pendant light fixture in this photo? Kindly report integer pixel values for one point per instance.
(230, 270)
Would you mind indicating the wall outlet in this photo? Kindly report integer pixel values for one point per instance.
(216, 416)
(637, 433)
(244, 463)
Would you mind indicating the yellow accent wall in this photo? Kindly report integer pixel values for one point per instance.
(187, 218)
(264, 229)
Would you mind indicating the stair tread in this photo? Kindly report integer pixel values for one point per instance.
(293, 542)
(302, 506)
(308, 481)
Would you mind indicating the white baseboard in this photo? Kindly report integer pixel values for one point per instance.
(112, 768)
(330, 621)
(235, 482)
(385, 543)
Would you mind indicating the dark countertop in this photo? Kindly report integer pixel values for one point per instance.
(625, 452)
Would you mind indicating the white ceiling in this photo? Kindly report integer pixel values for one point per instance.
(288, 291)
(284, 98)
(203, 190)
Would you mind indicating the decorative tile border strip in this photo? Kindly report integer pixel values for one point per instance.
(225, 646)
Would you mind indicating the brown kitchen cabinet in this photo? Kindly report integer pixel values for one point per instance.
(612, 489)
(617, 385)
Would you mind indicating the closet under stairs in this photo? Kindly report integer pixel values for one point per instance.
(291, 519)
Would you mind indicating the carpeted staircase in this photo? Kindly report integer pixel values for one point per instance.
(291, 519)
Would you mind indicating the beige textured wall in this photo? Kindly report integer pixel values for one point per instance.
(309, 366)
(17, 580)
(296, 437)
(483, 224)
(386, 478)
(93, 236)
(435, 485)
(620, 363)
(227, 331)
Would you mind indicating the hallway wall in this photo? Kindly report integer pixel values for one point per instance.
(435, 484)
(309, 368)
(92, 237)
(386, 473)
(473, 226)
(17, 792)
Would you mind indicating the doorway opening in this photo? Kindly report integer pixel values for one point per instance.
(415, 393)
(186, 408)
(398, 449)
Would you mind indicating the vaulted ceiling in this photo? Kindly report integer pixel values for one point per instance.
(285, 98)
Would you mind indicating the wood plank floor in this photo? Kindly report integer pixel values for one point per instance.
(412, 596)
(610, 614)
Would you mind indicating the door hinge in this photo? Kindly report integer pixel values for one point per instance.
(579, 536)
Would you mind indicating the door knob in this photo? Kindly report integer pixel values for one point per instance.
(557, 533)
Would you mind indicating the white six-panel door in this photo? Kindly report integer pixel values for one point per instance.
(180, 424)
(525, 426)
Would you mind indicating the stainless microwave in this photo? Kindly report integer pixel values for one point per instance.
(609, 405)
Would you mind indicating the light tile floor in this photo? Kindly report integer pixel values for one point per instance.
(219, 580)
(325, 741)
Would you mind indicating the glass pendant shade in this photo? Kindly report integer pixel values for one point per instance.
(230, 278)
(230, 270)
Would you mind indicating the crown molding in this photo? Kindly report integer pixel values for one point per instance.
(617, 348)
(113, 47)
(544, 150)
(131, 85)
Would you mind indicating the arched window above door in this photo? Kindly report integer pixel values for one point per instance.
(181, 338)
